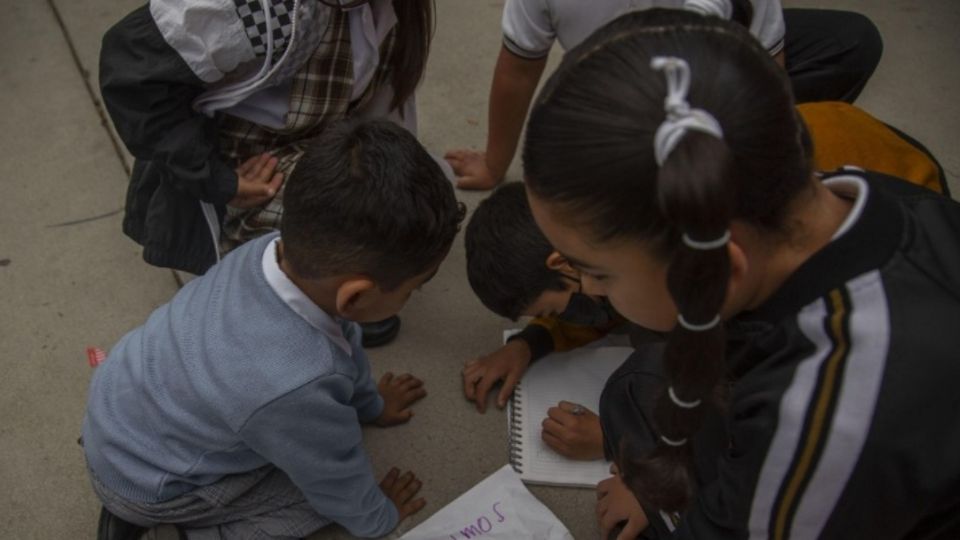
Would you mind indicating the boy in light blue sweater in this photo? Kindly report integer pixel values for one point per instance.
(235, 411)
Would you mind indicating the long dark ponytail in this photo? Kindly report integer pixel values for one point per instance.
(590, 152)
(409, 59)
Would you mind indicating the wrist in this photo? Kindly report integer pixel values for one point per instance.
(538, 341)
(520, 349)
(495, 167)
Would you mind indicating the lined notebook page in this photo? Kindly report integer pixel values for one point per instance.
(577, 376)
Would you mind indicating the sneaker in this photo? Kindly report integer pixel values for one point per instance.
(380, 333)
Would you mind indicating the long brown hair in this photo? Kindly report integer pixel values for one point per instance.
(589, 152)
(415, 25)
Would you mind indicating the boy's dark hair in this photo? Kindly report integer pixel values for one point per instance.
(507, 253)
(589, 152)
(367, 198)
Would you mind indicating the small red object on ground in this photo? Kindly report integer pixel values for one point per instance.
(95, 356)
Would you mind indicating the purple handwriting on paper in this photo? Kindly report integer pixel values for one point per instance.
(482, 526)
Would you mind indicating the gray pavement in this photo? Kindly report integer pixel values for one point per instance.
(69, 278)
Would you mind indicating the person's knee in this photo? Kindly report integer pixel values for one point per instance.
(864, 39)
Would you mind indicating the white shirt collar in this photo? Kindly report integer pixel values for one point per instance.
(299, 302)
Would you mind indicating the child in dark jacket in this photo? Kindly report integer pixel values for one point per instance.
(237, 407)
(811, 356)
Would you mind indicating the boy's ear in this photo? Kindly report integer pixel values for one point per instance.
(556, 261)
(354, 295)
(739, 268)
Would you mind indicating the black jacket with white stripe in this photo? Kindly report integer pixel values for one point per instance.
(844, 420)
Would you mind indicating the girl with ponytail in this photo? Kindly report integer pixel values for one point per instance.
(808, 320)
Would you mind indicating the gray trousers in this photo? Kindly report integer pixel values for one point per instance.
(257, 505)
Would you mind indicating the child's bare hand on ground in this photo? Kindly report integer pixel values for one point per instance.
(576, 436)
(401, 489)
(507, 364)
(398, 393)
(257, 181)
(617, 504)
(471, 169)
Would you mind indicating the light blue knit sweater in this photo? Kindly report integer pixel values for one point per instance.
(226, 378)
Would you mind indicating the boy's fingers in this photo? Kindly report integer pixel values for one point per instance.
(413, 386)
(417, 505)
(387, 377)
(555, 443)
(244, 167)
(409, 490)
(455, 154)
(507, 389)
(469, 388)
(472, 377)
(267, 170)
(454, 162)
(630, 531)
(274, 184)
(257, 165)
(560, 416)
(483, 389)
(603, 487)
(566, 406)
(390, 478)
(416, 394)
(404, 415)
(413, 507)
(405, 479)
(601, 510)
(553, 427)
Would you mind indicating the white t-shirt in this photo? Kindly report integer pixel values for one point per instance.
(531, 26)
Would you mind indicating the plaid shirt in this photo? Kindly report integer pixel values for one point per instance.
(320, 95)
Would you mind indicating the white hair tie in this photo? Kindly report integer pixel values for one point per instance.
(698, 327)
(680, 403)
(708, 244)
(717, 8)
(672, 442)
(680, 117)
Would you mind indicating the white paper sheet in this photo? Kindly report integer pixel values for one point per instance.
(498, 508)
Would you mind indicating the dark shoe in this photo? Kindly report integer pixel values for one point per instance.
(113, 528)
(380, 333)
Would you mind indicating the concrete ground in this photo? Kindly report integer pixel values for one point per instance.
(69, 278)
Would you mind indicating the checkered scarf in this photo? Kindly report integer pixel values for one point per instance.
(320, 94)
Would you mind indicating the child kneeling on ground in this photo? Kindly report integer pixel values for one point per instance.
(515, 272)
(236, 410)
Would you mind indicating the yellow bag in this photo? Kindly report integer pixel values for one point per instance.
(846, 135)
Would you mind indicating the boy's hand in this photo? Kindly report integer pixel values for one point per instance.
(399, 393)
(401, 489)
(506, 364)
(616, 504)
(573, 431)
(471, 169)
(257, 181)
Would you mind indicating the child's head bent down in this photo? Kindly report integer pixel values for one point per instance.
(369, 216)
(640, 182)
(511, 266)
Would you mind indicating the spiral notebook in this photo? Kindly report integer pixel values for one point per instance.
(577, 376)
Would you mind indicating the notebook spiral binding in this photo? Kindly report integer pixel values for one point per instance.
(515, 435)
